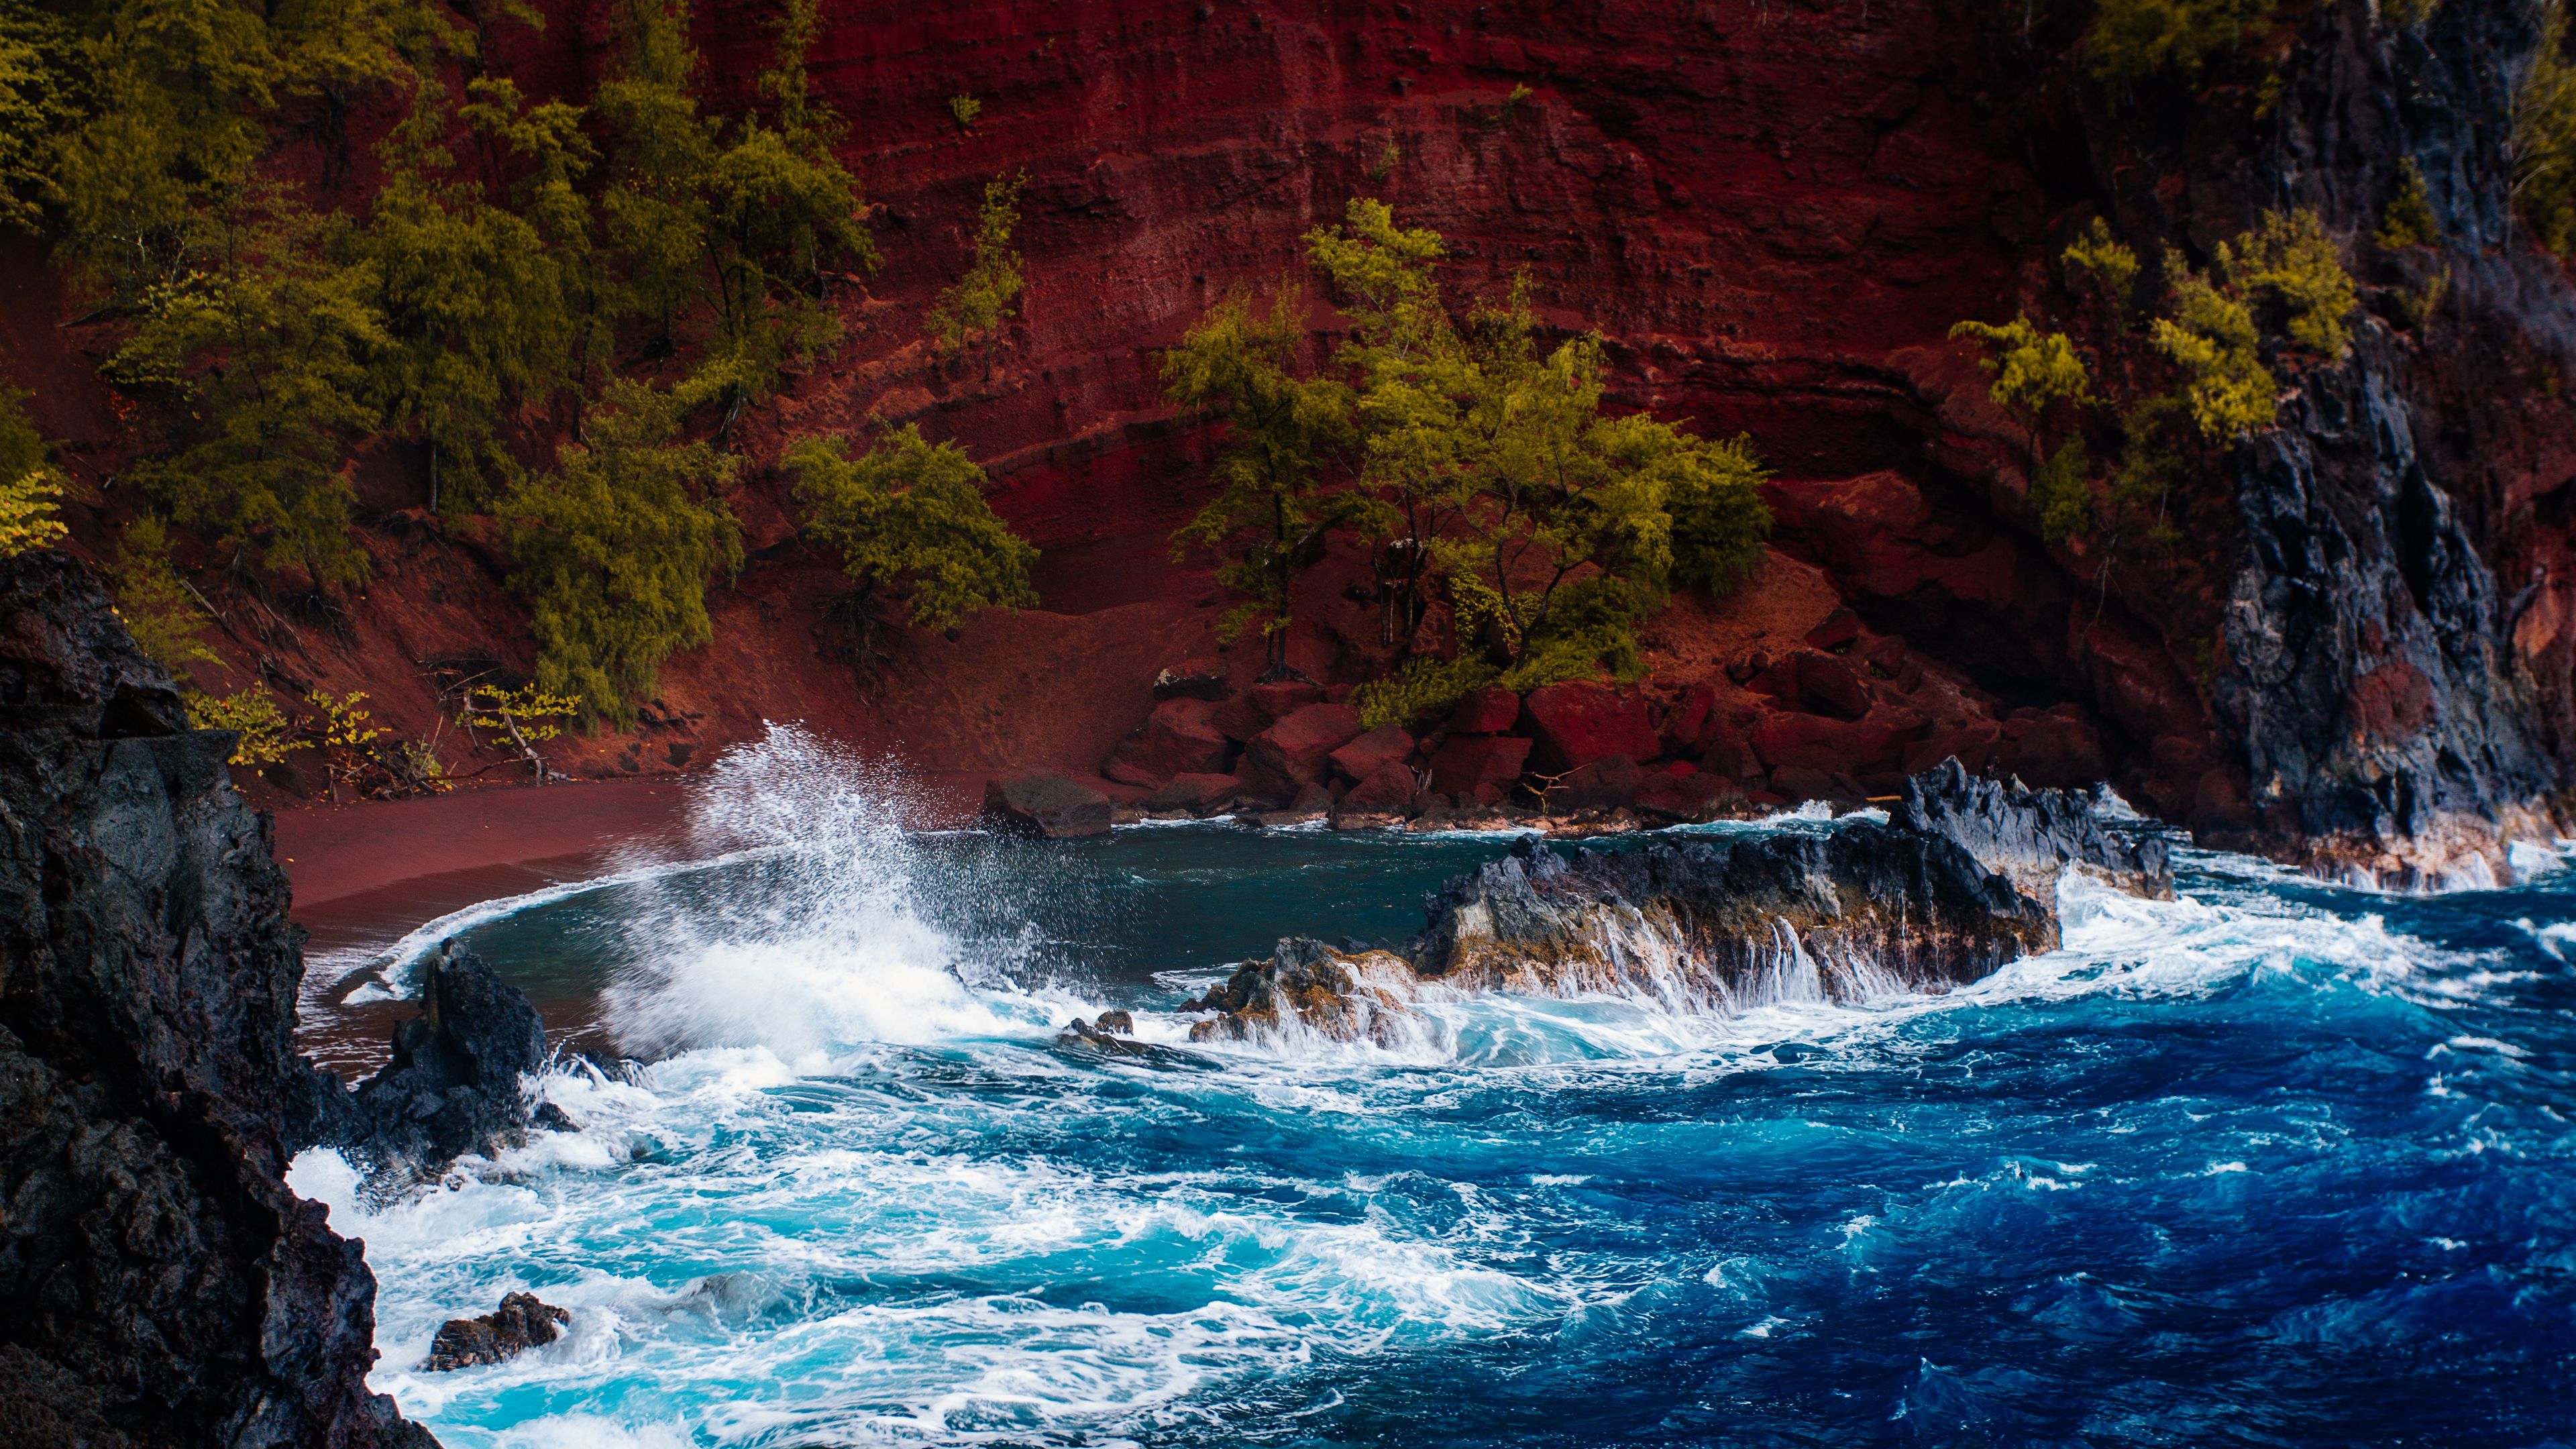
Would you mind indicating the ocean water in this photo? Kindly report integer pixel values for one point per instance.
(2273, 1163)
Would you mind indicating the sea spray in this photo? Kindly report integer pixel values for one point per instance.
(819, 939)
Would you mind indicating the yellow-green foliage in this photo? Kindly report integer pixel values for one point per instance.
(2408, 14)
(2134, 40)
(2110, 263)
(2211, 336)
(1424, 688)
(164, 619)
(1269, 516)
(2409, 221)
(2032, 369)
(526, 714)
(256, 717)
(2290, 258)
(1498, 462)
(615, 547)
(910, 514)
(965, 108)
(37, 71)
(979, 302)
(2544, 138)
(30, 490)
(2062, 492)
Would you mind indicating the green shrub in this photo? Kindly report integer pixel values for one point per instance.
(965, 108)
(2212, 337)
(2137, 40)
(980, 302)
(256, 717)
(615, 547)
(1423, 689)
(2544, 138)
(158, 610)
(31, 492)
(2409, 220)
(2111, 264)
(2062, 492)
(2290, 258)
(911, 515)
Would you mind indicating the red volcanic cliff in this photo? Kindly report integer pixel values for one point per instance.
(1773, 212)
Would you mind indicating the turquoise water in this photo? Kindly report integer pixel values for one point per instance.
(2272, 1163)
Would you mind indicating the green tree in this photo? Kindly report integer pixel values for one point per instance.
(978, 303)
(913, 531)
(1282, 432)
(1554, 526)
(38, 105)
(263, 366)
(614, 549)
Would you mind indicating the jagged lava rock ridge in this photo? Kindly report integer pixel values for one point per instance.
(1959, 881)
(159, 1285)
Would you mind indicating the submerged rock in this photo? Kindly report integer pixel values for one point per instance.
(519, 1324)
(159, 1284)
(1959, 881)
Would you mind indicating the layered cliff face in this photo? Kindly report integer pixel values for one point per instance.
(2360, 653)
(159, 1285)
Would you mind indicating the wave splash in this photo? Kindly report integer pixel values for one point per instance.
(816, 938)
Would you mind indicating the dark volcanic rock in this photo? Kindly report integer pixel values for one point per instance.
(519, 1324)
(1957, 883)
(158, 1282)
(453, 1086)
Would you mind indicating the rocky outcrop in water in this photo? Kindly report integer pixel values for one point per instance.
(455, 1084)
(522, 1322)
(159, 1285)
(1959, 881)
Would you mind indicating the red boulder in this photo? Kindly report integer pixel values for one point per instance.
(1390, 789)
(1840, 628)
(1603, 784)
(1827, 685)
(1468, 761)
(1835, 747)
(1297, 751)
(1573, 724)
(1178, 738)
(1361, 757)
(1486, 712)
(1193, 679)
(1696, 795)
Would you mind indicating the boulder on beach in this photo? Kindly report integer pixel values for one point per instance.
(1045, 804)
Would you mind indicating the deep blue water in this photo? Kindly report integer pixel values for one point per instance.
(2276, 1163)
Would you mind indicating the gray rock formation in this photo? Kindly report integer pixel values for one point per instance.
(158, 1282)
(1959, 881)
(455, 1085)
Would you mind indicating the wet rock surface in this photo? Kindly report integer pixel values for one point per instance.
(1959, 881)
(455, 1085)
(158, 1282)
(522, 1322)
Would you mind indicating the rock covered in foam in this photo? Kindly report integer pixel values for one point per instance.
(456, 1083)
(1960, 880)
(522, 1322)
